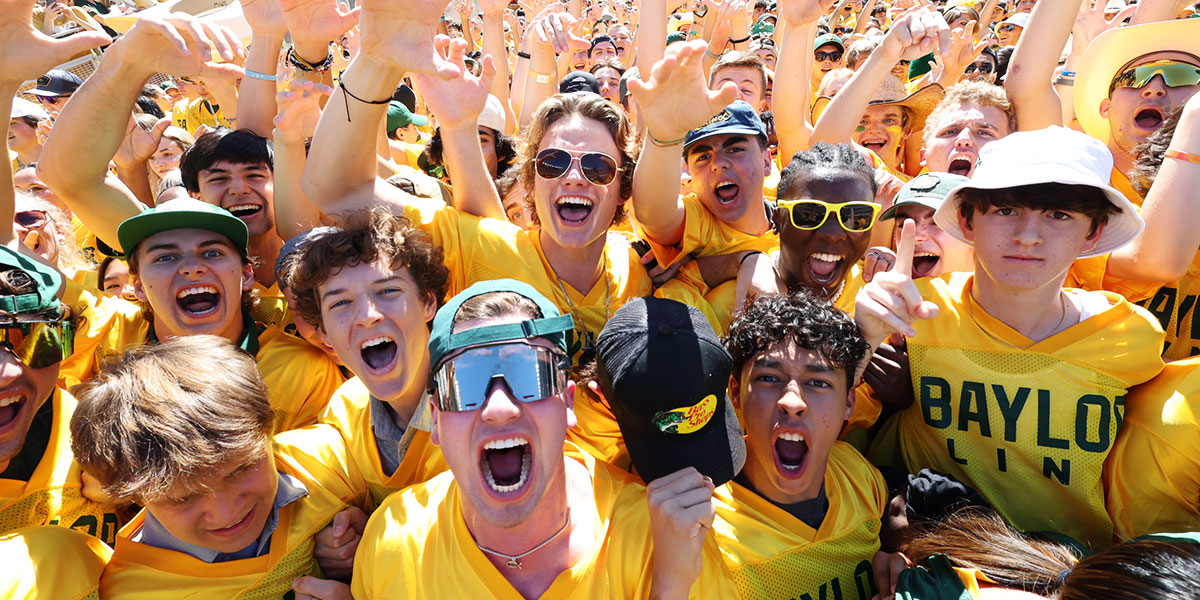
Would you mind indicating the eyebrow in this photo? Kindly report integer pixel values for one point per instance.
(174, 246)
(771, 363)
(379, 281)
(249, 166)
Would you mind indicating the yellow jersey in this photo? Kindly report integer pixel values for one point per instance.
(1152, 478)
(139, 571)
(1174, 304)
(51, 562)
(272, 308)
(772, 554)
(191, 114)
(411, 539)
(706, 235)
(53, 495)
(1002, 413)
(349, 412)
(299, 377)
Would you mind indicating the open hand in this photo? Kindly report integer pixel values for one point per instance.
(675, 98)
(29, 53)
(180, 44)
(457, 101)
(299, 110)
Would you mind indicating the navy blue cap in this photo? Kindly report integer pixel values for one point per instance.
(738, 117)
(56, 83)
(578, 81)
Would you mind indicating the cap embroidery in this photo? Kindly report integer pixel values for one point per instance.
(687, 419)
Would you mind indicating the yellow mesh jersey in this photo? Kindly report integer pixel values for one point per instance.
(1153, 473)
(417, 532)
(772, 554)
(50, 562)
(139, 571)
(596, 430)
(1174, 304)
(300, 378)
(272, 308)
(107, 322)
(479, 249)
(706, 235)
(53, 495)
(349, 412)
(1028, 425)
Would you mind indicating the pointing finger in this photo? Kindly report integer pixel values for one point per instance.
(904, 250)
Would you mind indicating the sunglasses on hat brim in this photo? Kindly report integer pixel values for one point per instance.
(38, 344)
(808, 214)
(1175, 73)
(531, 373)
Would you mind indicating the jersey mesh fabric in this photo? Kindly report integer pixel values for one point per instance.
(1175, 306)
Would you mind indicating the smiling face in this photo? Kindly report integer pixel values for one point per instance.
(1022, 249)
(166, 157)
(824, 61)
(1135, 113)
(21, 137)
(958, 134)
(224, 511)
(881, 130)
(507, 454)
(749, 82)
(1009, 33)
(976, 72)
(727, 173)
(936, 252)
(573, 211)
(819, 259)
(609, 81)
(244, 189)
(22, 392)
(193, 280)
(793, 403)
(375, 319)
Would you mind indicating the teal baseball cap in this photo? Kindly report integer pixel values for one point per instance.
(398, 115)
(552, 325)
(49, 284)
(182, 213)
(829, 38)
(926, 189)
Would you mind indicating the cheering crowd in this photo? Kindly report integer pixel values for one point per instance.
(602, 299)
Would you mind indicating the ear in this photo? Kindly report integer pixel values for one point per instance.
(735, 392)
(594, 387)
(1105, 104)
(195, 195)
(1093, 240)
(964, 225)
(247, 277)
(429, 306)
(138, 290)
(569, 401)
(766, 155)
(435, 414)
(851, 398)
(778, 220)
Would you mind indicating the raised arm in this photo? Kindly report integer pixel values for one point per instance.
(652, 35)
(256, 98)
(395, 38)
(495, 45)
(1167, 247)
(1031, 69)
(672, 101)
(891, 302)
(299, 110)
(793, 74)
(911, 37)
(93, 124)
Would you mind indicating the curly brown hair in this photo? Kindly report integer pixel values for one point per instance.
(365, 237)
(588, 106)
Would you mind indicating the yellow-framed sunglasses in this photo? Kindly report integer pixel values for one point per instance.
(810, 213)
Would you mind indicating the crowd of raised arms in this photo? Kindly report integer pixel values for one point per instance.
(600, 299)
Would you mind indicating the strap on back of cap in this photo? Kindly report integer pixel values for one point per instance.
(21, 303)
(529, 328)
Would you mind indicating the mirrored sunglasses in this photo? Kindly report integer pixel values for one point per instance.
(1174, 73)
(598, 168)
(39, 344)
(530, 372)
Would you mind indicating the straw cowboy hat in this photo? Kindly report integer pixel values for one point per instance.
(892, 93)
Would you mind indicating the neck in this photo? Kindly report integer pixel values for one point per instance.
(406, 403)
(754, 222)
(579, 267)
(29, 155)
(1036, 314)
(266, 249)
(1122, 160)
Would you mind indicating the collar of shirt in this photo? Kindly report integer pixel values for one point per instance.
(391, 440)
(154, 534)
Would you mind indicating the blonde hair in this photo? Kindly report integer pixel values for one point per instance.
(158, 417)
(971, 92)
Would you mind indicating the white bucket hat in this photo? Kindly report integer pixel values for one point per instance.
(493, 115)
(1053, 155)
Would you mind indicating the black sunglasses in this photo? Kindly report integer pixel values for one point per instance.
(834, 56)
(985, 68)
(598, 168)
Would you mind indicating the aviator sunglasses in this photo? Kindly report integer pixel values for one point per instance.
(809, 214)
(598, 168)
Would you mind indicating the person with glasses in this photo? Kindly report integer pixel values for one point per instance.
(1019, 381)
(1008, 31)
(55, 88)
(828, 54)
(521, 507)
(983, 68)
(45, 230)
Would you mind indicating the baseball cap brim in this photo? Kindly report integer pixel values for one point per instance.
(1111, 51)
(135, 230)
(926, 201)
(44, 93)
(731, 131)
(1120, 229)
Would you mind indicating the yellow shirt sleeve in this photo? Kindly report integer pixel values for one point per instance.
(106, 324)
(51, 562)
(1152, 478)
(300, 378)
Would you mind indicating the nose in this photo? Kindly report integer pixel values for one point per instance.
(223, 508)
(501, 405)
(238, 185)
(792, 401)
(965, 139)
(368, 313)
(193, 265)
(1028, 230)
(1155, 88)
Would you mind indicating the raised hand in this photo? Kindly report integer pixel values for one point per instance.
(264, 16)
(179, 44)
(681, 513)
(400, 35)
(140, 143)
(675, 98)
(315, 23)
(457, 101)
(963, 51)
(801, 13)
(919, 32)
(299, 110)
(891, 302)
(1090, 23)
(29, 53)
(491, 7)
(555, 30)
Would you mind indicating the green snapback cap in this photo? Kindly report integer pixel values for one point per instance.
(443, 340)
(926, 189)
(48, 280)
(182, 213)
(829, 38)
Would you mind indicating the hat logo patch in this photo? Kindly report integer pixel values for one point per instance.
(719, 118)
(687, 419)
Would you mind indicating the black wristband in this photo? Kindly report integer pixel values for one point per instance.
(745, 39)
(524, 55)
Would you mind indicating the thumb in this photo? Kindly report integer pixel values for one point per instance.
(160, 127)
(340, 522)
(70, 46)
(724, 96)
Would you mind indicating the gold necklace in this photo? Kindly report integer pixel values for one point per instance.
(514, 561)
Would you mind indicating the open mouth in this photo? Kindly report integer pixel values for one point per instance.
(961, 166)
(875, 146)
(379, 352)
(10, 409)
(573, 209)
(791, 449)
(505, 464)
(198, 300)
(727, 192)
(1149, 118)
(823, 268)
(924, 264)
(242, 211)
